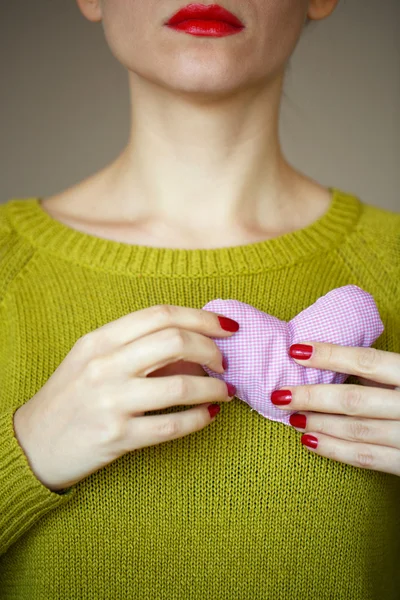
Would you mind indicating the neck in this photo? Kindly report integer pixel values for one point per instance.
(205, 163)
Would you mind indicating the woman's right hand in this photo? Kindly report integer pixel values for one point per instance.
(91, 410)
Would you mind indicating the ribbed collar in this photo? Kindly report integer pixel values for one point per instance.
(42, 231)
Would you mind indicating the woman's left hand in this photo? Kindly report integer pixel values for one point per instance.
(354, 424)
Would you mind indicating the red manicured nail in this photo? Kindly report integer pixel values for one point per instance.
(281, 397)
(213, 409)
(231, 389)
(301, 351)
(298, 420)
(309, 440)
(224, 363)
(228, 324)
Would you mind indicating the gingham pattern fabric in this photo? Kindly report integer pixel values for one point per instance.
(258, 354)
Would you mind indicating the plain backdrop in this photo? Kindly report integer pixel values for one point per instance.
(64, 102)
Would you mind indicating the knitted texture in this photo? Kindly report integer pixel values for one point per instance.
(258, 354)
(238, 510)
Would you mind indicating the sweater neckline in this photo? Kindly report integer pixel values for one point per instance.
(44, 232)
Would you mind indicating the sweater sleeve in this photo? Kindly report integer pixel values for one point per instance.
(23, 498)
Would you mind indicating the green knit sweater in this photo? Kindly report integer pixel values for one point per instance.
(239, 510)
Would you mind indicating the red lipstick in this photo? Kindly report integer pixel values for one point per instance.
(202, 20)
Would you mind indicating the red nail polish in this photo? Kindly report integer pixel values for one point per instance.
(213, 409)
(224, 363)
(301, 351)
(298, 420)
(281, 397)
(228, 324)
(309, 440)
(231, 389)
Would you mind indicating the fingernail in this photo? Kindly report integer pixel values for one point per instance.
(213, 409)
(281, 397)
(301, 351)
(228, 324)
(224, 363)
(298, 420)
(309, 440)
(231, 389)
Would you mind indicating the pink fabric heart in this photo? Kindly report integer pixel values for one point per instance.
(258, 354)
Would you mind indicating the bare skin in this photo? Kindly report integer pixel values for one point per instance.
(72, 208)
(203, 167)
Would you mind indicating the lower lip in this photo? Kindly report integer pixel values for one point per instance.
(206, 28)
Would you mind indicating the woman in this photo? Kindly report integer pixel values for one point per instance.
(102, 293)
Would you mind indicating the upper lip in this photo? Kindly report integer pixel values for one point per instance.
(213, 12)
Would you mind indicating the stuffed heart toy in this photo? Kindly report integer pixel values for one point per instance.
(258, 354)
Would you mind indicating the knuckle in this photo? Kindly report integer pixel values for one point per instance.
(332, 454)
(86, 344)
(94, 370)
(320, 425)
(351, 400)
(364, 459)
(106, 404)
(367, 360)
(112, 432)
(168, 428)
(178, 387)
(324, 352)
(358, 431)
(306, 398)
(163, 314)
(176, 341)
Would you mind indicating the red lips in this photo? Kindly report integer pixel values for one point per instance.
(202, 12)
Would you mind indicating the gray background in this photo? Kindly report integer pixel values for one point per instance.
(64, 102)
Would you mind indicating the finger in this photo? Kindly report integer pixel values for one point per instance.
(369, 431)
(145, 394)
(377, 365)
(179, 368)
(141, 357)
(152, 430)
(137, 324)
(369, 382)
(364, 456)
(353, 400)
